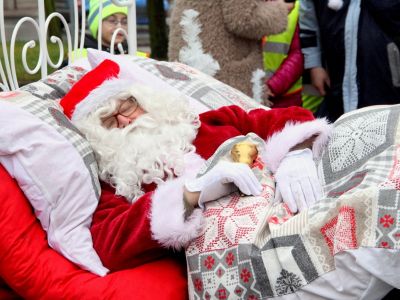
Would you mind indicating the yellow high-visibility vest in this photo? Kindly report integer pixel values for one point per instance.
(311, 98)
(276, 48)
(82, 53)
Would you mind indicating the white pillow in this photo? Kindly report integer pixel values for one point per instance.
(81, 63)
(201, 90)
(58, 181)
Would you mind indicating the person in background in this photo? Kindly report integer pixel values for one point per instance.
(79, 2)
(222, 39)
(283, 63)
(350, 50)
(113, 17)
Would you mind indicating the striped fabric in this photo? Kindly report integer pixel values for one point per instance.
(251, 248)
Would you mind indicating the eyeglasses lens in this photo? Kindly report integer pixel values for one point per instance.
(126, 108)
(115, 22)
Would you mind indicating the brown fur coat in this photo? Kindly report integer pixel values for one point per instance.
(222, 38)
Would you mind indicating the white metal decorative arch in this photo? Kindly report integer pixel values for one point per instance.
(74, 42)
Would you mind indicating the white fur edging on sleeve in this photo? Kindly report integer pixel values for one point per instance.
(167, 222)
(279, 144)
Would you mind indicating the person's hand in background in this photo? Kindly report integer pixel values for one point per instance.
(320, 79)
(267, 95)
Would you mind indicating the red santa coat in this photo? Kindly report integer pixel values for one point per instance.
(126, 235)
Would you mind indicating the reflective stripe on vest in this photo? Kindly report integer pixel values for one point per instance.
(276, 48)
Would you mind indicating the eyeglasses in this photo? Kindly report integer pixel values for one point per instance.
(126, 108)
(114, 21)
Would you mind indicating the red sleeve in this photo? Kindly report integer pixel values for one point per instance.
(290, 70)
(121, 231)
(217, 126)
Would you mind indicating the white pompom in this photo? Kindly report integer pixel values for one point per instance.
(335, 4)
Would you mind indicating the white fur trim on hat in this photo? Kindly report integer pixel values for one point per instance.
(279, 144)
(116, 88)
(167, 222)
(110, 89)
(335, 4)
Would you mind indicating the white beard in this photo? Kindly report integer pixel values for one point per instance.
(150, 150)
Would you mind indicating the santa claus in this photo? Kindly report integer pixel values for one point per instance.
(150, 147)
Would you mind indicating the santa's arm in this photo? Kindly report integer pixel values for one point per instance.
(121, 232)
(126, 235)
(281, 128)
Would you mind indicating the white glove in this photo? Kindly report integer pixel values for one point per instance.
(297, 180)
(223, 179)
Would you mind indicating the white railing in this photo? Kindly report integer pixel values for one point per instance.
(8, 76)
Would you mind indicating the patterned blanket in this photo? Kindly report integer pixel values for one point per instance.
(251, 249)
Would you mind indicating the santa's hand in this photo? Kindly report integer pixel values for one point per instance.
(297, 181)
(223, 179)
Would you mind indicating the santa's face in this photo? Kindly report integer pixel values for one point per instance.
(126, 112)
(149, 149)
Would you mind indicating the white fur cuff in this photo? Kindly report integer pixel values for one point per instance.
(279, 144)
(167, 222)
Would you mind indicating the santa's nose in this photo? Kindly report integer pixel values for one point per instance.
(123, 121)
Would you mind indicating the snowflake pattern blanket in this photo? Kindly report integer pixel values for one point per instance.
(252, 249)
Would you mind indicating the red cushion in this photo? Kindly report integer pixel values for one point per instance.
(31, 268)
(6, 293)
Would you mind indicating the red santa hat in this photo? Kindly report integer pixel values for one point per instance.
(100, 86)
(81, 89)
